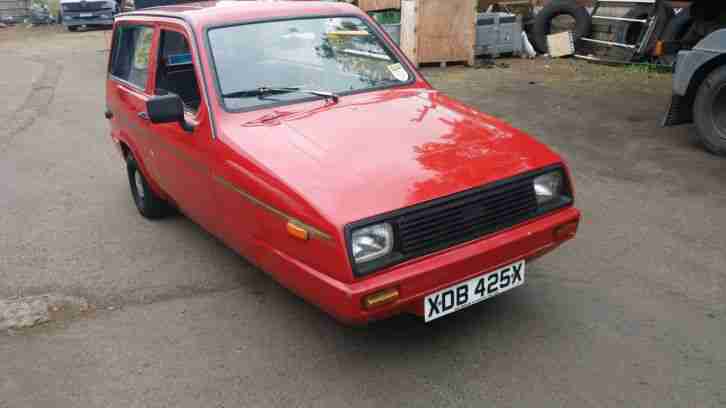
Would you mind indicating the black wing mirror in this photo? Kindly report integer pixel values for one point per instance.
(167, 109)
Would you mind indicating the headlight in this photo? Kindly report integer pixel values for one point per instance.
(371, 242)
(548, 187)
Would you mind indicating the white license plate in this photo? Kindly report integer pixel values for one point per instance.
(84, 15)
(473, 291)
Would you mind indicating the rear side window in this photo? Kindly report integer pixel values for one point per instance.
(131, 54)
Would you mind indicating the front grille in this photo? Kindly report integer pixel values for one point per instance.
(458, 218)
(465, 217)
(85, 6)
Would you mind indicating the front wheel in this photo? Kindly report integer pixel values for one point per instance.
(149, 204)
(709, 112)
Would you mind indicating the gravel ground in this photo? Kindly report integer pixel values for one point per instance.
(631, 313)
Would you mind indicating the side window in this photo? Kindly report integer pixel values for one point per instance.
(131, 54)
(175, 73)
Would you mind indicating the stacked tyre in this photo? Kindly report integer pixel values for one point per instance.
(543, 22)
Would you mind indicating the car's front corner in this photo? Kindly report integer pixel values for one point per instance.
(401, 281)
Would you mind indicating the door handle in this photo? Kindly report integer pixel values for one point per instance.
(143, 115)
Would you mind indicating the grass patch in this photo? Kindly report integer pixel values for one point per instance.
(645, 68)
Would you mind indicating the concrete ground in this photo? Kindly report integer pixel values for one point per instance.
(631, 313)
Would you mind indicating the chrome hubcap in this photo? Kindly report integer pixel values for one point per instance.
(139, 185)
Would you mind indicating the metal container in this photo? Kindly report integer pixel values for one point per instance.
(394, 30)
(498, 33)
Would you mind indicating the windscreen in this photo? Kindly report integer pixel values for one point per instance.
(338, 55)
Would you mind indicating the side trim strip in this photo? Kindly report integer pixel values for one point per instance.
(314, 232)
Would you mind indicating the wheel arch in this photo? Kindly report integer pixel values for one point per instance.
(702, 73)
(125, 149)
(694, 66)
(129, 149)
(691, 70)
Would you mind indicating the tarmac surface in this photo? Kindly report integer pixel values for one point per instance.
(631, 313)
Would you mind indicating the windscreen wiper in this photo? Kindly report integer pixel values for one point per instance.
(264, 91)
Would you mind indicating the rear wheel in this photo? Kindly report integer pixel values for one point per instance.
(72, 28)
(709, 112)
(149, 204)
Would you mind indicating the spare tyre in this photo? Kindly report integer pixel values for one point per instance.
(543, 22)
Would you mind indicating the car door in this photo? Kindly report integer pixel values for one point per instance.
(129, 87)
(184, 158)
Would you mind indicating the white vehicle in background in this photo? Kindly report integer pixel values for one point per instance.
(76, 13)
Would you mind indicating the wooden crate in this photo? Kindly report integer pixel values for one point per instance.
(438, 31)
(375, 5)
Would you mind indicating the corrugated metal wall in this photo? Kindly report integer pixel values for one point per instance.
(14, 8)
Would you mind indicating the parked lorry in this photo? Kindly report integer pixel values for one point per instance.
(699, 82)
(77, 13)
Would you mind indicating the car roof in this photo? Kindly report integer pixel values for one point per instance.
(210, 13)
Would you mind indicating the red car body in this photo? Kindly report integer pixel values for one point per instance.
(282, 186)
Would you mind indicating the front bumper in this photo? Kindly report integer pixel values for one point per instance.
(420, 277)
(73, 18)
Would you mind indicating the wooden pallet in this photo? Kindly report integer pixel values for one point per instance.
(434, 31)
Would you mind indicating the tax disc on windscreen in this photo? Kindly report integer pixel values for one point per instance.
(398, 72)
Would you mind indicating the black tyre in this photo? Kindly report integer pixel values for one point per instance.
(543, 22)
(676, 30)
(709, 112)
(72, 28)
(631, 33)
(147, 202)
